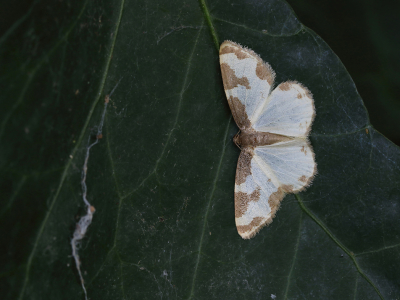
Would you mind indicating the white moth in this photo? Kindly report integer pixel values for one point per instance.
(276, 156)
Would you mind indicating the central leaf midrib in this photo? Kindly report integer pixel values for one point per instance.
(216, 42)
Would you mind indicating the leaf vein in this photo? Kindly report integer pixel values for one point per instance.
(352, 256)
(295, 256)
(208, 209)
(32, 74)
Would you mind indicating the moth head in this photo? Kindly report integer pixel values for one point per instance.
(236, 139)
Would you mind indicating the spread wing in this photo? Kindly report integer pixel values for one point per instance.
(289, 110)
(291, 163)
(247, 82)
(257, 197)
(264, 175)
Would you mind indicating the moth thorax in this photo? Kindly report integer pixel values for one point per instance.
(256, 138)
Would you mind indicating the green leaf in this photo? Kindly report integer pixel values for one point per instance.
(162, 177)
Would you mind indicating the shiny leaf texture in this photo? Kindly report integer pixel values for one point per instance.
(162, 176)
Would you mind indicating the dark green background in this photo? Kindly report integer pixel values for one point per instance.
(162, 177)
(365, 35)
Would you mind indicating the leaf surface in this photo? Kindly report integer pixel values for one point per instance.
(162, 177)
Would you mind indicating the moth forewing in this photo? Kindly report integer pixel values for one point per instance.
(245, 77)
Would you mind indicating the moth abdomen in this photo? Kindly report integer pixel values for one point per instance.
(260, 138)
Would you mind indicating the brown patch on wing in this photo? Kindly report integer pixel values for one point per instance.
(230, 80)
(303, 178)
(239, 113)
(246, 228)
(274, 201)
(242, 201)
(287, 188)
(264, 72)
(304, 150)
(284, 86)
(239, 52)
(244, 165)
(299, 96)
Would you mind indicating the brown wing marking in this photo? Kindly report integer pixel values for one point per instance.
(230, 80)
(239, 113)
(242, 201)
(244, 165)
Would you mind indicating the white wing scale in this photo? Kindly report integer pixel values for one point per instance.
(288, 111)
(292, 163)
